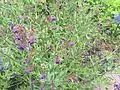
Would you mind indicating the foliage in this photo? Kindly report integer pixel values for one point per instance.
(69, 52)
(106, 12)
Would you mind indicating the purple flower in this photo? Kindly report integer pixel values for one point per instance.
(27, 61)
(27, 71)
(57, 60)
(117, 86)
(27, 17)
(22, 47)
(17, 38)
(31, 41)
(44, 76)
(23, 38)
(31, 36)
(71, 43)
(14, 31)
(11, 24)
(41, 88)
(53, 19)
(19, 17)
(117, 18)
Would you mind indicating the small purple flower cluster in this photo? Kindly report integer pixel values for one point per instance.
(26, 18)
(67, 43)
(11, 24)
(117, 86)
(43, 76)
(117, 18)
(23, 38)
(29, 69)
(41, 88)
(71, 43)
(51, 18)
(57, 60)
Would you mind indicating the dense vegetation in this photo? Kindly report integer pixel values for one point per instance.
(58, 44)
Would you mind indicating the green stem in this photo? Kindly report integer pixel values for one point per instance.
(116, 30)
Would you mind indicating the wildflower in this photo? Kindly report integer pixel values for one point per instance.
(23, 38)
(28, 71)
(43, 76)
(11, 24)
(117, 18)
(18, 37)
(19, 17)
(19, 28)
(57, 60)
(22, 47)
(53, 18)
(27, 61)
(71, 43)
(14, 31)
(117, 86)
(41, 88)
(26, 17)
(31, 37)
(32, 41)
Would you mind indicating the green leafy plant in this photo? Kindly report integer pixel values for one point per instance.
(53, 46)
